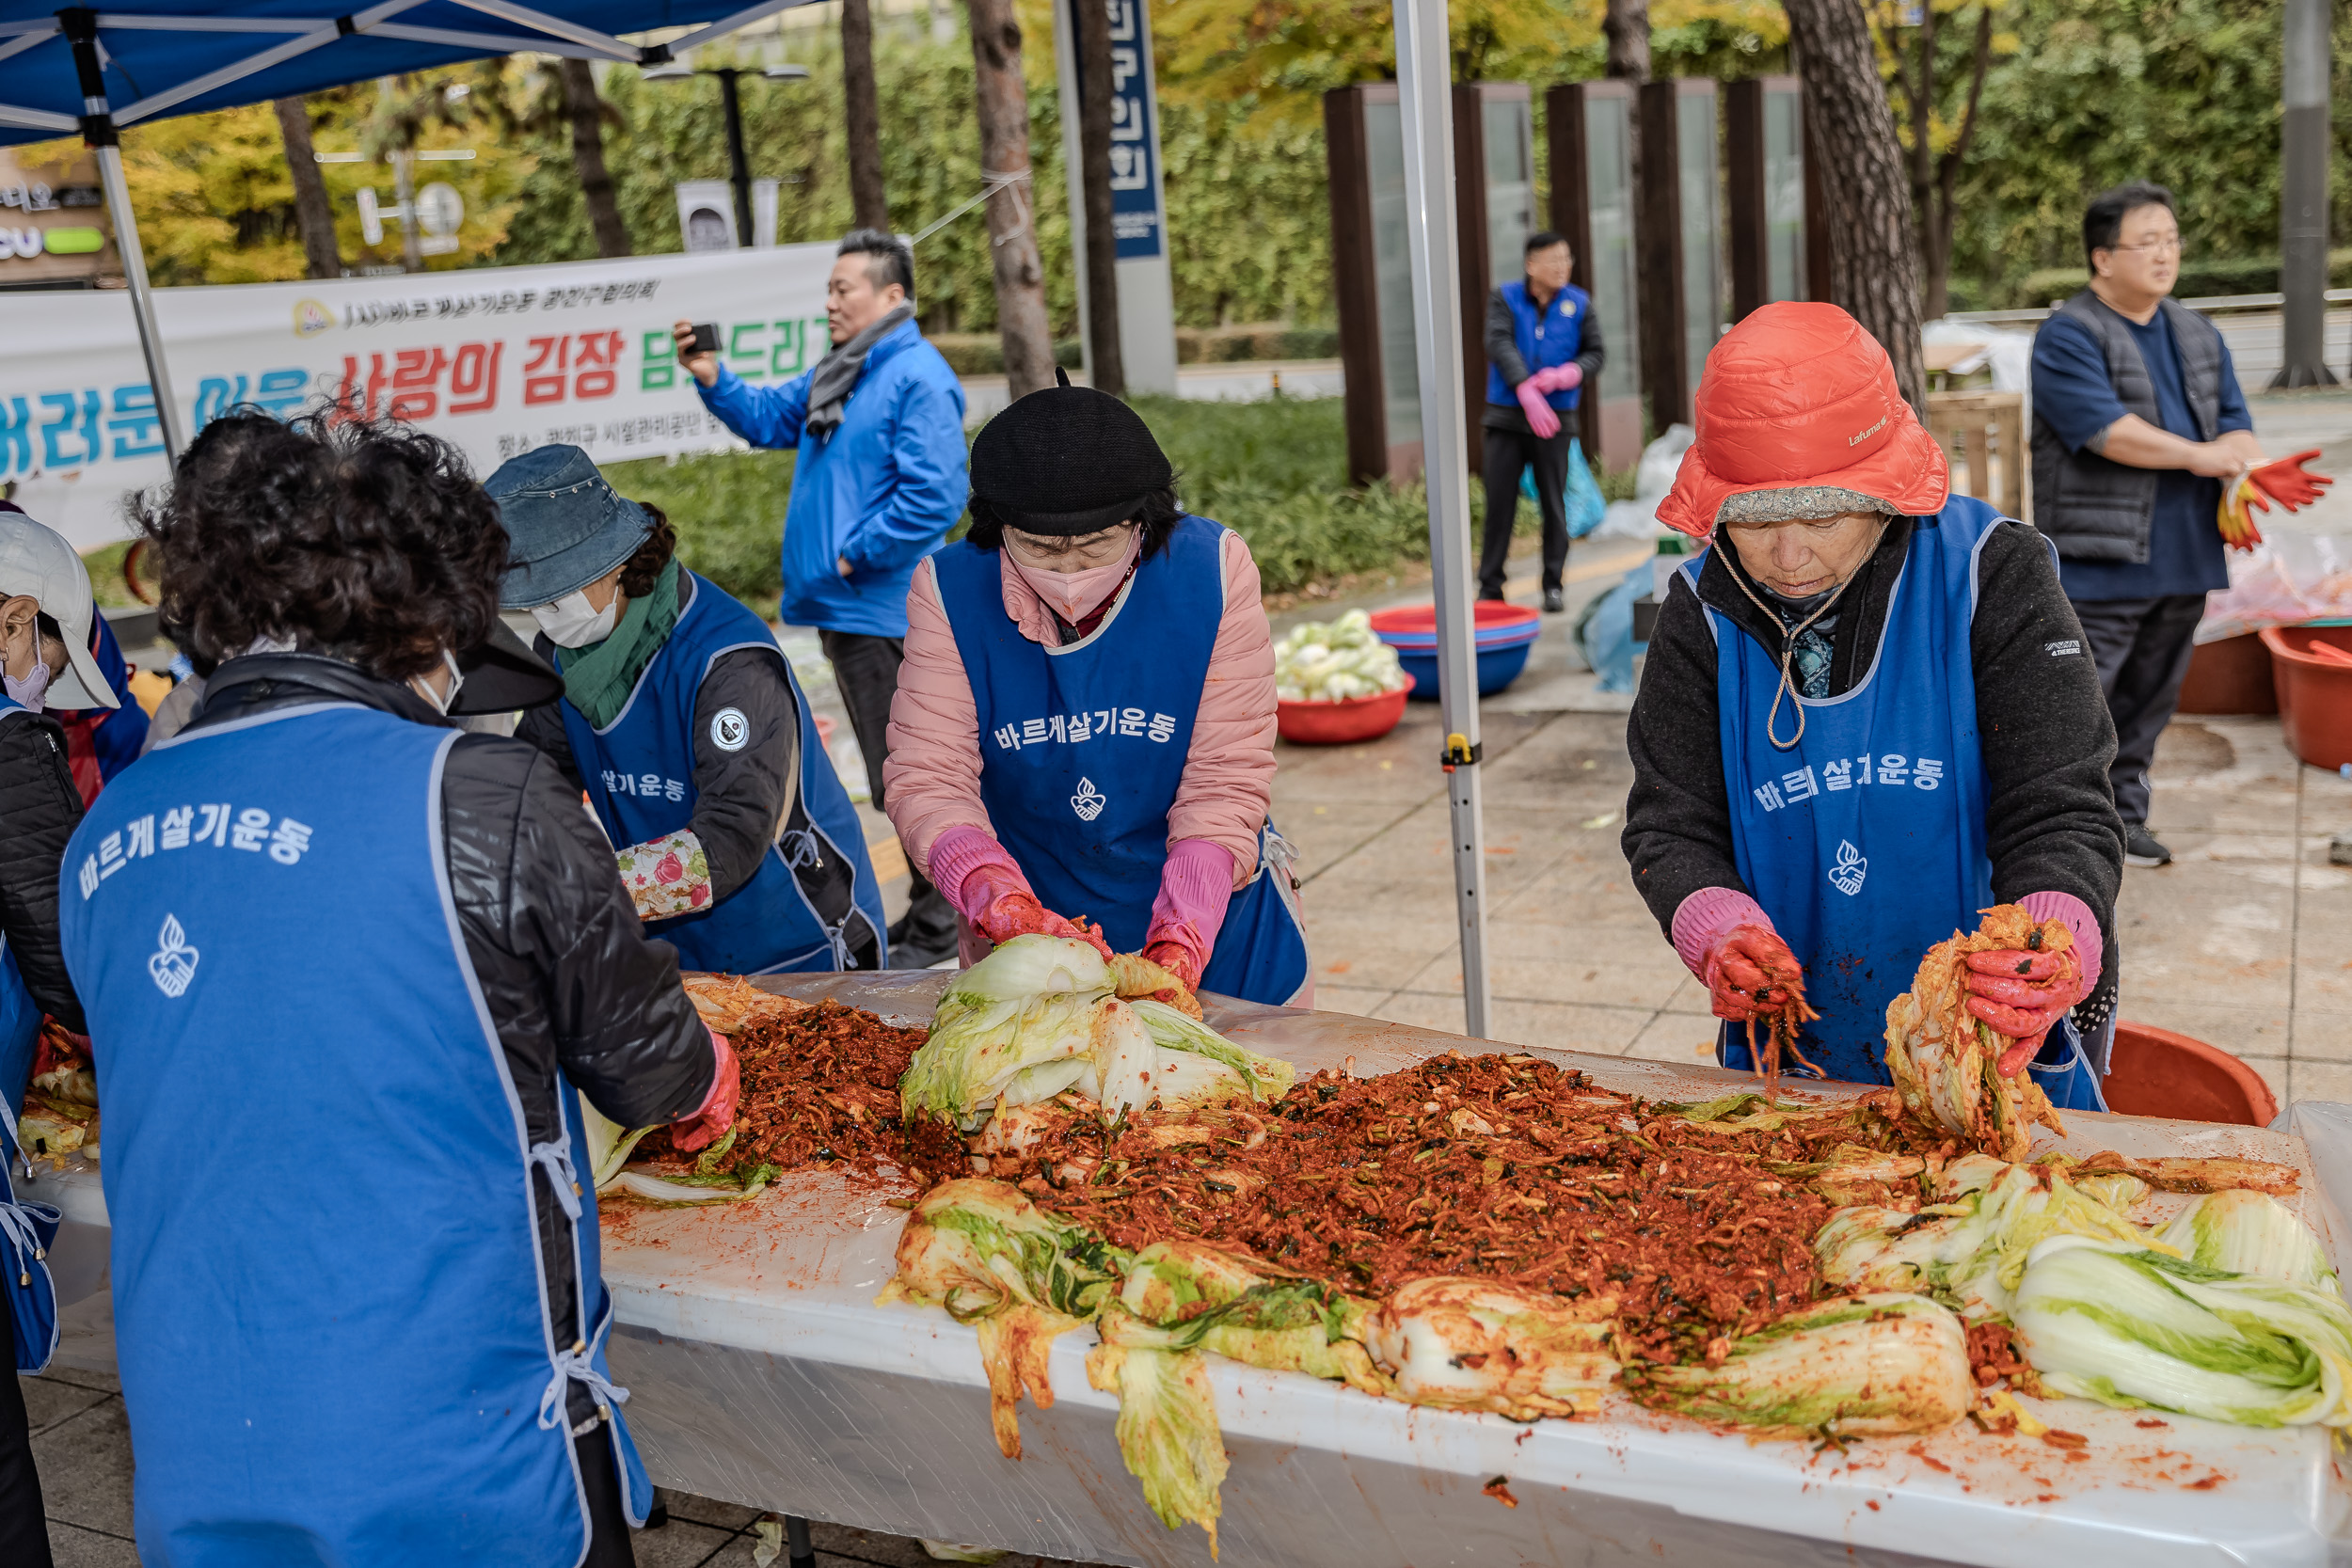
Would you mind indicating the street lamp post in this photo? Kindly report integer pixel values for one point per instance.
(730, 99)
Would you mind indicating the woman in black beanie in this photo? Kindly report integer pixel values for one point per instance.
(1083, 728)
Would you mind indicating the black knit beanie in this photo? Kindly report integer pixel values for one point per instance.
(1065, 460)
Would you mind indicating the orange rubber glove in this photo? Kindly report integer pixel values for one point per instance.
(2286, 482)
(2240, 500)
(1750, 972)
(709, 1123)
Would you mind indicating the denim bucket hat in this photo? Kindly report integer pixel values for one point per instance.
(566, 526)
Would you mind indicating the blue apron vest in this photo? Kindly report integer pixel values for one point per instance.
(330, 1301)
(639, 773)
(1865, 841)
(1082, 747)
(26, 1229)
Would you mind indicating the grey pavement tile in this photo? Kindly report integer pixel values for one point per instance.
(2204, 931)
(75, 1547)
(706, 1510)
(1552, 1025)
(2319, 1081)
(1680, 1039)
(1360, 1000)
(1324, 835)
(2322, 1036)
(104, 1382)
(1609, 965)
(1380, 939)
(1690, 997)
(2277, 1072)
(48, 1401)
(84, 1465)
(2240, 1031)
(680, 1543)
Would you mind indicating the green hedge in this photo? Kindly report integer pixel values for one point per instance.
(2250, 275)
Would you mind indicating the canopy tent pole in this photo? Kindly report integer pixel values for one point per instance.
(1424, 92)
(97, 129)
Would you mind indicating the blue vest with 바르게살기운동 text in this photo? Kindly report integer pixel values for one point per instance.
(1082, 747)
(1864, 841)
(331, 1294)
(639, 773)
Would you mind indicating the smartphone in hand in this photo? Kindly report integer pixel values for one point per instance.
(704, 341)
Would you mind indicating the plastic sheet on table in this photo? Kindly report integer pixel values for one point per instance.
(763, 1373)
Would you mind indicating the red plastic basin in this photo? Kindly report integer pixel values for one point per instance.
(2314, 692)
(1495, 621)
(2157, 1072)
(1350, 719)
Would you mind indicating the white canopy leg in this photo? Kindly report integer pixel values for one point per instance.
(1423, 68)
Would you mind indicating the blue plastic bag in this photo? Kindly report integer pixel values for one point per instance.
(1581, 497)
(1604, 631)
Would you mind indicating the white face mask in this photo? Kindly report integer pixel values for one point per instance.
(456, 681)
(571, 621)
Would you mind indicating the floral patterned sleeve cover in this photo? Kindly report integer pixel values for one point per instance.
(666, 875)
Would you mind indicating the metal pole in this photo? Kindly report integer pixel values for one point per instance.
(2303, 197)
(98, 130)
(1423, 60)
(739, 162)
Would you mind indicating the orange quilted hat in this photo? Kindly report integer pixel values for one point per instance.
(1796, 397)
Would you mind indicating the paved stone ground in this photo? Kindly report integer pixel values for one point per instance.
(2245, 942)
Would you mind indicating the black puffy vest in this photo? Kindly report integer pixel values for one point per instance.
(2094, 509)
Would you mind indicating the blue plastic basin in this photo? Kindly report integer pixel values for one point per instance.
(1496, 668)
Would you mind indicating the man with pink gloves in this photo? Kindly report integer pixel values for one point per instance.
(1542, 347)
(1083, 739)
(1866, 716)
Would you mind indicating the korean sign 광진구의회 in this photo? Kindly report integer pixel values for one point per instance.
(496, 361)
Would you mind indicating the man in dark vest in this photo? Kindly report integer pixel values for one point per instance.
(2137, 421)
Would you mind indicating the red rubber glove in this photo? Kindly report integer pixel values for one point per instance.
(2022, 995)
(1540, 417)
(1749, 971)
(997, 900)
(2286, 482)
(708, 1125)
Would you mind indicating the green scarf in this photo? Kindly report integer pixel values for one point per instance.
(602, 674)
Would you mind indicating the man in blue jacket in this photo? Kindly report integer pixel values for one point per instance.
(1542, 347)
(880, 478)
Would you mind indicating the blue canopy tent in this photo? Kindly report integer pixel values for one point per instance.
(90, 73)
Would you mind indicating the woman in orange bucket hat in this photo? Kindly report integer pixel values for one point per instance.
(1866, 714)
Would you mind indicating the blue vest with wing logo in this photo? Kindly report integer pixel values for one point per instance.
(1082, 747)
(639, 773)
(329, 1292)
(1865, 841)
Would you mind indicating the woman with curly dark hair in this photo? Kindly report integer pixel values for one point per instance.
(685, 726)
(1084, 721)
(347, 966)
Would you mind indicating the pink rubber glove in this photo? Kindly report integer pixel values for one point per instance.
(1540, 419)
(1195, 884)
(1559, 378)
(2022, 995)
(716, 1114)
(983, 881)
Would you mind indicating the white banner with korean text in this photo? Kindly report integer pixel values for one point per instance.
(495, 359)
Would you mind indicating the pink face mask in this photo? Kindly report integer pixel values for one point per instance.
(1071, 594)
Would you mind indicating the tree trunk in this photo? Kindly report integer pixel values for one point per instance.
(1002, 102)
(1626, 24)
(313, 215)
(861, 104)
(1874, 256)
(586, 112)
(1936, 259)
(1094, 168)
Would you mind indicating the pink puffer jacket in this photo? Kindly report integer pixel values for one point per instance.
(931, 778)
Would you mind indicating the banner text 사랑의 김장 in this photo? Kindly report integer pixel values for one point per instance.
(496, 361)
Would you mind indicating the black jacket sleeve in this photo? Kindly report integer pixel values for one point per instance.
(1502, 340)
(1591, 353)
(542, 728)
(747, 763)
(564, 961)
(2045, 732)
(1678, 817)
(41, 807)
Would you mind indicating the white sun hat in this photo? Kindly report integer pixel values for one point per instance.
(36, 559)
